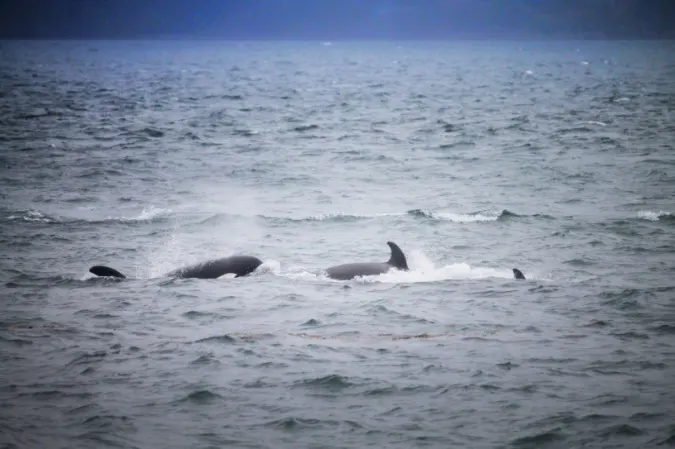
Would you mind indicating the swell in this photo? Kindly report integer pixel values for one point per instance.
(636, 224)
(422, 215)
(33, 216)
(159, 215)
(479, 216)
(417, 214)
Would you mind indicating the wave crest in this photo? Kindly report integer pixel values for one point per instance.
(148, 214)
(480, 216)
(34, 216)
(654, 216)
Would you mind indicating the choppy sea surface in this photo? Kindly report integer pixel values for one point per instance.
(474, 157)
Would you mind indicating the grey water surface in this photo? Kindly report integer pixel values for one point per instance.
(474, 157)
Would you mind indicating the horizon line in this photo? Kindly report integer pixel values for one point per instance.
(356, 39)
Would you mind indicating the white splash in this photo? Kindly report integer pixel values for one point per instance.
(422, 269)
(165, 257)
(269, 266)
(147, 214)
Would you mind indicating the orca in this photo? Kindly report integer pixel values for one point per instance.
(210, 269)
(351, 270)
(518, 274)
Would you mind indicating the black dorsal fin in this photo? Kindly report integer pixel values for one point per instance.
(397, 258)
(101, 270)
(518, 274)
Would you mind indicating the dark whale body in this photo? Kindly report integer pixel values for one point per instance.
(351, 270)
(210, 269)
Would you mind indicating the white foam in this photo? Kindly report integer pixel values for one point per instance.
(468, 218)
(303, 274)
(653, 216)
(455, 271)
(329, 216)
(33, 216)
(421, 269)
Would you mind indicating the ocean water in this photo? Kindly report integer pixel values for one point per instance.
(474, 157)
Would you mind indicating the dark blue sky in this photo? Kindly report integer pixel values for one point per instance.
(337, 19)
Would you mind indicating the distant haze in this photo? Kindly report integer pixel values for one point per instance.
(337, 19)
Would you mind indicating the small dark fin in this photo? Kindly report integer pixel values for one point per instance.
(397, 257)
(100, 270)
(518, 274)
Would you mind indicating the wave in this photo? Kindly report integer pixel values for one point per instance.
(334, 217)
(23, 280)
(156, 214)
(150, 214)
(147, 214)
(655, 216)
(594, 122)
(479, 216)
(34, 216)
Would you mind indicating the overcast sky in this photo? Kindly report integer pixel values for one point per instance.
(337, 19)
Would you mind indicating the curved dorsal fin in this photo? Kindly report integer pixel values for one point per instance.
(101, 270)
(397, 258)
(518, 274)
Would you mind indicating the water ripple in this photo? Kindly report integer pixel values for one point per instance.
(476, 158)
